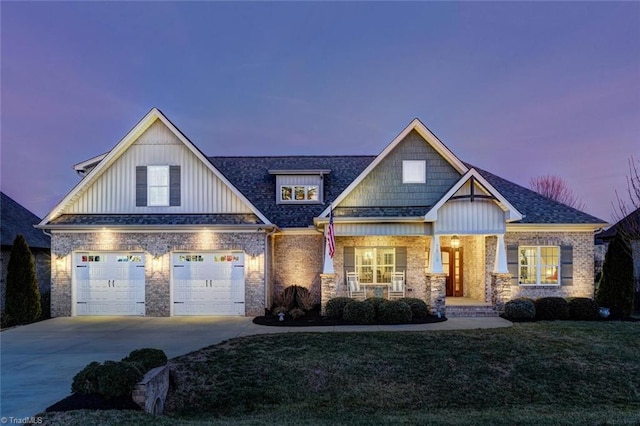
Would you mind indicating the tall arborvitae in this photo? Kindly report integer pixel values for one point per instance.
(23, 296)
(615, 290)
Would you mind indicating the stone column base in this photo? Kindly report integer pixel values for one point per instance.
(436, 284)
(500, 290)
(328, 290)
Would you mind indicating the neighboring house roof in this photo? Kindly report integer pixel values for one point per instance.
(632, 220)
(251, 176)
(536, 208)
(15, 219)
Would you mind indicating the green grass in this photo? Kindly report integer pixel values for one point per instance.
(533, 373)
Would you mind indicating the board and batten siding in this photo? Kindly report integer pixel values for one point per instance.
(383, 185)
(466, 217)
(115, 190)
(356, 229)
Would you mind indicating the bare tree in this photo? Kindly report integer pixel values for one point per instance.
(557, 189)
(627, 212)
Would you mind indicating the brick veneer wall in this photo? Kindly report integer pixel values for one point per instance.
(583, 260)
(158, 272)
(297, 260)
(416, 249)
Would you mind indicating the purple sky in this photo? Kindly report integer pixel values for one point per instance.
(519, 89)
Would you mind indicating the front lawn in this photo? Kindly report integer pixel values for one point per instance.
(532, 373)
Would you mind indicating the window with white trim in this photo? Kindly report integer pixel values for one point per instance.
(374, 265)
(157, 185)
(539, 265)
(299, 193)
(414, 171)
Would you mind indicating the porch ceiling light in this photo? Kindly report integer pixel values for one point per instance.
(455, 241)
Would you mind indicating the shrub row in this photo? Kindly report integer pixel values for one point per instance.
(377, 310)
(552, 308)
(113, 379)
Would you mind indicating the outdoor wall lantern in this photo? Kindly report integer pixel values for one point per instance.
(455, 241)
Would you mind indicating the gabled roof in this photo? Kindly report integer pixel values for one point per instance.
(426, 134)
(112, 156)
(630, 221)
(251, 176)
(15, 219)
(536, 208)
(512, 214)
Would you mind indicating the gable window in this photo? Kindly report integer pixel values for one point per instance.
(539, 265)
(374, 265)
(158, 186)
(414, 171)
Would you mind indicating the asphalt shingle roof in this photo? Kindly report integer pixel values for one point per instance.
(156, 219)
(250, 175)
(537, 208)
(15, 219)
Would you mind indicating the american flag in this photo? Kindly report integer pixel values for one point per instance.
(331, 238)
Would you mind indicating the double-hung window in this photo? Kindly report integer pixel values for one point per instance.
(158, 185)
(539, 265)
(374, 265)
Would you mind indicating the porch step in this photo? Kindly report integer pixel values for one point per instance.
(470, 311)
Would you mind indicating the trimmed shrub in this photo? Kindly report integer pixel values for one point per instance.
(520, 309)
(359, 312)
(615, 288)
(375, 302)
(147, 358)
(583, 309)
(116, 379)
(22, 303)
(419, 308)
(86, 380)
(394, 312)
(335, 306)
(552, 308)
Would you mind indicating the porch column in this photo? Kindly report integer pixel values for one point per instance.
(436, 286)
(327, 290)
(500, 266)
(328, 261)
(435, 256)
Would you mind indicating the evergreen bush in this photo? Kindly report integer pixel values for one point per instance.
(23, 295)
(583, 309)
(147, 358)
(520, 309)
(615, 289)
(359, 312)
(552, 308)
(376, 302)
(335, 306)
(394, 312)
(419, 309)
(116, 379)
(86, 380)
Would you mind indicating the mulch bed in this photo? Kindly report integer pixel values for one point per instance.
(93, 401)
(315, 320)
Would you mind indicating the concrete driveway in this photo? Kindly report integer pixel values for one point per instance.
(39, 360)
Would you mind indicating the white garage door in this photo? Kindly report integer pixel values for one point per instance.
(109, 283)
(208, 283)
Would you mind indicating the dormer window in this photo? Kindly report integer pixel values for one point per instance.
(299, 186)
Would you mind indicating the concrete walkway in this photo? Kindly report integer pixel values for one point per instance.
(39, 360)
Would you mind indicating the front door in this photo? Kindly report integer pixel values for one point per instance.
(452, 266)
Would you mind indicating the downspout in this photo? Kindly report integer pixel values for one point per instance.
(268, 267)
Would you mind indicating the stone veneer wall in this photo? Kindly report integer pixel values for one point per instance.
(297, 260)
(416, 249)
(42, 259)
(158, 271)
(474, 280)
(583, 260)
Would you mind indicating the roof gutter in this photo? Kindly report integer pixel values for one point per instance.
(165, 228)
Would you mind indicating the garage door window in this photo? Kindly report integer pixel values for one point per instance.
(89, 258)
(130, 258)
(191, 258)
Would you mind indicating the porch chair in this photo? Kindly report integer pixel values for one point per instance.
(396, 290)
(353, 284)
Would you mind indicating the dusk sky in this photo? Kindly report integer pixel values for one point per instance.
(518, 89)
